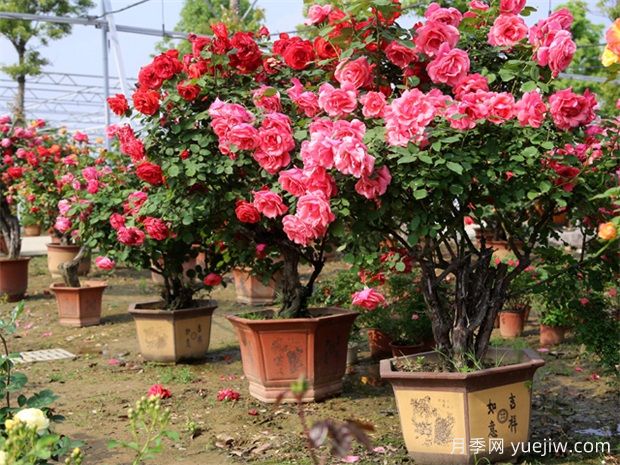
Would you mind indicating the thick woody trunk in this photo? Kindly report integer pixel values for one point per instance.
(9, 226)
(294, 294)
(19, 111)
(69, 270)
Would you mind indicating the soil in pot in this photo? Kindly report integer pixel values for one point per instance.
(511, 324)
(14, 278)
(79, 306)
(440, 412)
(551, 335)
(276, 352)
(58, 254)
(173, 335)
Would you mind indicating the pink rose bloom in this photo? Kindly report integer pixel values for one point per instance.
(337, 102)
(511, 7)
(450, 16)
(449, 66)
(228, 395)
(318, 179)
(4, 119)
(297, 230)
(76, 184)
(244, 136)
(314, 210)
(269, 203)
(561, 52)
(319, 151)
(92, 186)
(373, 104)
(342, 128)
(104, 263)
(62, 224)
(307, 101)
(368, 298)
(275, 142)
(90, 172)
(501, 107)
(570, 110)
(401, 55)
(6, 142)
(433, 35)
(478, 5)
(281, 123)
(507, 31)
(354, 73)
(407, 116)
(130, 236)
(212, 280)
(317, 14)
(470, 83)
(80, 137)
(375, 186)
(156, 228)
(531, 109)
(271, 163)
(63, 207)
(117, 221)
(261, 251)
(351, 157)
(269, 103)
(293, 181)
(461, 115)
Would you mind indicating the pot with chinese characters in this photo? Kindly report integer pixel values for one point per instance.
(173, 335)
(460, 418)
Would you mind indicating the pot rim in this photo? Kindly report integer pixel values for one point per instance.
(51, 245)
(209, 304)
(88, 284)
(337, 312)
(21, 258)
(533, 361)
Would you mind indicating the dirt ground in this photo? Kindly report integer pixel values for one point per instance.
(570, 401)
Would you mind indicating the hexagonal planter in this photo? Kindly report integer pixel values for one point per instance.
(79, 306)
(446, 417)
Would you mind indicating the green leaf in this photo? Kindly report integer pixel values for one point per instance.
(420, 194)
(529, 86)
(455, 167)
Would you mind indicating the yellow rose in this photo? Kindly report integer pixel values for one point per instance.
(609, 58)
(33, 418)
(607, 231)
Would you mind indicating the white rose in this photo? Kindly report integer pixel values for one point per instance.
(34, 418)
(2, 457)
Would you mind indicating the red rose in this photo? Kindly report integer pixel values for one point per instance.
(248, 56)
(212, 280)
(157, 390)
(150, 172)
(400, 55)
(15, 172)
(246, 212)
(325, 49)
(134, 148)
(219, 30)
(146, 101)
(184, 154)
(148, 77)
(118, 104)
(156, 228)
(298, 54)
(166, 65)
(189, 92)
(130, 236)
(117, 221)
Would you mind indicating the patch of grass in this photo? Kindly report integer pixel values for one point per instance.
(516, 343)
(179, 375)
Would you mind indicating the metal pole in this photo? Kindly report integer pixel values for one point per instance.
(106, 75)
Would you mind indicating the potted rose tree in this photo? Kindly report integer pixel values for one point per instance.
(273, 148)
(474, 128)
(19, 149)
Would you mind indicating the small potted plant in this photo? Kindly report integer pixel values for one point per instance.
(257, 282)
(31, 224)
(515, 312)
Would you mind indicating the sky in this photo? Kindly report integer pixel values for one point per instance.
(81, 52)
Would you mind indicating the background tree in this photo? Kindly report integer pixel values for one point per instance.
(21, 35)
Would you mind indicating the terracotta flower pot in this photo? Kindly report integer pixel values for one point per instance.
(57, 254)
(173, 335)
(399, 350)
(510, 324)
(32, 230)
(379, 343)
(79, 306)
(250, 290)
(276, 352)
(551, 335)
(189, 264)
(14, 278)
(441, 413)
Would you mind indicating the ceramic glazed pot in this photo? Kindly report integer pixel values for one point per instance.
(58, 254)
(79, 306)
(379, 344)
(173, 335)
(14, 278)
(551, 335)
(511, 324)
(440, 413)
(250, 290)
(277, 352)
(32, 230)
